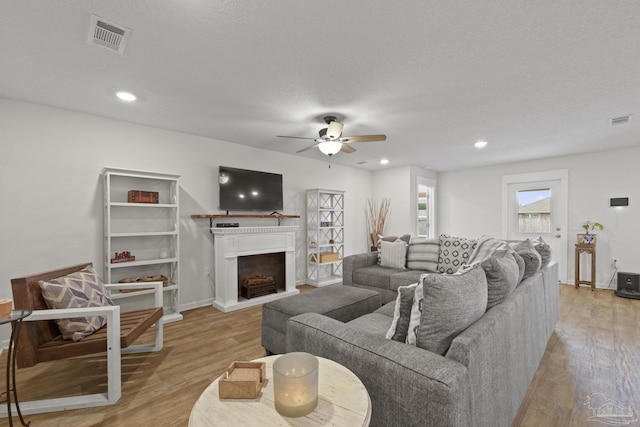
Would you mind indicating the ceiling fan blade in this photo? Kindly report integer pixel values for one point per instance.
(294, 137)
(363, 138)
(308, 148)
(347, 149)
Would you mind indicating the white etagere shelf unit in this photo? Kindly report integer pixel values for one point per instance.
(150, 231)
(325, 236)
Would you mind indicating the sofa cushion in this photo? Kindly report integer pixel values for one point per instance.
(444, 306)
(375, 276)
(454, 251)
(81, 289)
(388, 309)
(402, 313)
(405, 278)
(422, 254)
(502, 273)
(373, 324)
(393, 254)
(531, 257)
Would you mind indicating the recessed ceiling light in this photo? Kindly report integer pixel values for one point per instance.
(126, 96)
(384, 161)
(480, 144)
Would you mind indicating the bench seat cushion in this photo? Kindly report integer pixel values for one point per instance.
(406, 278)
(343, 303)
(386, 278)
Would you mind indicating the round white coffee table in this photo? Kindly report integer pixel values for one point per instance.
(342, 401)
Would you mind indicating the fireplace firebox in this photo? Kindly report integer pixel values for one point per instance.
(231, 244)
(261, 274)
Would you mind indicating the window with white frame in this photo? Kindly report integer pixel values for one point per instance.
(425, 210)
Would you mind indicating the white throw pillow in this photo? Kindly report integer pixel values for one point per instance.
(393, 254)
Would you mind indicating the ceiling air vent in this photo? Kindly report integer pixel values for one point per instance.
(622, 120)
(363, 162)
(108, 34)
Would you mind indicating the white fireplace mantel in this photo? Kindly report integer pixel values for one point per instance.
(230, 243)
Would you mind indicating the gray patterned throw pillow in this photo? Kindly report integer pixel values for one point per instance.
(77, 290)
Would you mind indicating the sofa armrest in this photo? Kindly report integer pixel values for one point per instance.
(408, 385)
(353, 262)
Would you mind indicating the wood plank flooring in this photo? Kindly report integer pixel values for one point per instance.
(595, 349)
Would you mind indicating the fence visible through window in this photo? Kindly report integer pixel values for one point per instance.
(534, 210)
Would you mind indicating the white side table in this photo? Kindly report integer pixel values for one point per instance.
(342, 401)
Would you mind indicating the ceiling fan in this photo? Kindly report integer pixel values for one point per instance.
(331, 140)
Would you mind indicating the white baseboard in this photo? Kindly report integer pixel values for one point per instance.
(598, 285)
(197, 304)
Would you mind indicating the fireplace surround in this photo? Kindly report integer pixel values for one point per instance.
(230, 244)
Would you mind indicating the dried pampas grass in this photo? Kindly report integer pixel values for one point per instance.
(376, 218)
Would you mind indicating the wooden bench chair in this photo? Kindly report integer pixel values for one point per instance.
(40, 339)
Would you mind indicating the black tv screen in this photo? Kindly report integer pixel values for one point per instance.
(247, 190)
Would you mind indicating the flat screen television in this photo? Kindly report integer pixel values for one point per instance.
(247, 190)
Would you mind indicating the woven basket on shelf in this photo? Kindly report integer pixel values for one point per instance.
(163, 279)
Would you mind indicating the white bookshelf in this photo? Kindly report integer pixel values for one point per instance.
(150, 231)
(325, 236)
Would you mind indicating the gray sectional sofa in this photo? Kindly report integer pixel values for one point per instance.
(362, 271)
(479, 381)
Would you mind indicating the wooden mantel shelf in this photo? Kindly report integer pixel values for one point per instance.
(279, 217)
(215, 216)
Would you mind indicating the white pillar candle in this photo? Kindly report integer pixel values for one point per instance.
(295, 384)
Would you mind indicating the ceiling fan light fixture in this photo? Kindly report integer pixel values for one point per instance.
(334, 130)
(330, 147)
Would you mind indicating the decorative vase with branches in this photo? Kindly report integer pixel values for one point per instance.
(378, 212)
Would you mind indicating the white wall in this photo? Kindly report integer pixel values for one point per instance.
(400, 186)
(51, 192)
(469, 203)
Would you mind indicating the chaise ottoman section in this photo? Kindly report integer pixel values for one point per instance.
(343, 303)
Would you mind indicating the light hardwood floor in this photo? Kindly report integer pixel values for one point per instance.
(595, 349)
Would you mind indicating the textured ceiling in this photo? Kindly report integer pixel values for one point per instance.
(534, 78)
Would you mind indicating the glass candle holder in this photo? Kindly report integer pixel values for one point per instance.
(295, 384)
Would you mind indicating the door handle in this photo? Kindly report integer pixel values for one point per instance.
(557, 236)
